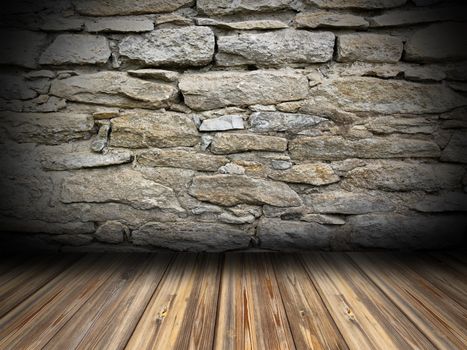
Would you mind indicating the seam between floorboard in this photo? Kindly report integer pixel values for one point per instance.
(219, 287)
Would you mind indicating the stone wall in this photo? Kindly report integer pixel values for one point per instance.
(222, 125)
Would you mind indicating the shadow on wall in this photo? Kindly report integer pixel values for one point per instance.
(233, 125)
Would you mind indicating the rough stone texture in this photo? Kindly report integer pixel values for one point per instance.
(157, 74)
(288, 46)
(127, 7)
(276, 121)
(368, 47)
(225, 143)
(236, 189)
(437, 42)
(324, 19)
(455, 151)
(449, 201)
(77, 49)
(408, 17)
(219, 89)
(316, 174)
(184, 46)
(362, 4)
(223, 7)
(140, 129)
(20, 47)
(225, 122)
(119, 24)
(78, 160)
(111, 232)
(242, 25)
(114, 89)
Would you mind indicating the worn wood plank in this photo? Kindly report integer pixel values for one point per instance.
(34, 322)
(431, 310)
(35, 275)
(366, 318)
(311, 324)
(181, 313)
(251, 314)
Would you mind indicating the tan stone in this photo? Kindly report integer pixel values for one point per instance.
(225, 143)
(316, 174)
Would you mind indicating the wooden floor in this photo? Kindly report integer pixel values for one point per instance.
(234, 301)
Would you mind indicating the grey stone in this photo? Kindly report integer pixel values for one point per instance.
(343, 202)
(127, 7)
(190, 46)
(158, 74)
(180, 158)
(323, 219)
(111, 232)
(316, 174)
(407, 125)
(277, 121)
(39, 74)
(325, 19)
(401, 176)
(225, 122)
(178, 179)
(77, 49)
(15, 87)
(77, 160)
(236, 220)
(337, 147)
(281, 164)
(225, 143)
(114, 89)
(56, 23)
(212, 90)
(358, 4)
(20, 47)
(192, 236)
(231, 190)
(437, 42)
(456, 150)
(223, 7)
(449, 201)
(119, 24)
(99, 186)
(368, 47)
(344, 166)
(242, 25)
(288, 46)
(231, 168)
(278, 234)
(141, 129)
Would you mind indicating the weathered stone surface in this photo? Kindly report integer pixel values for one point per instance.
(225, 122)
(316, 174)
(231, 190)
(400, 176)
(192, 236)
(288, 46)
(114, 89)
(363, 4)
(368, 47)
(449, 201)
(386, 96)
(180, 158)
(15, 87)
(324, 19)
(343, 202)
(125, 186)
(225, 143)
(277, 121)
(178, 179)
(407, 125)
(231, 168)
(281, 164)
(337, 147)
(223, 7)
(62, 161)
(456, 150)
(437, 42)
(242, 25)
(20, 47)
(396, 231)
(158, 74)
(119, 24)
(127, 7)
(76, 49)
(111, 232)
(220, 89)
(236, 220)
(47, 128)
(278, 234)
(140, 129)
(190, 46)
(57, 23)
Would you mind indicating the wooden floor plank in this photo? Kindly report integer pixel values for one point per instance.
(431, 310)
(8, 263)
(451, 260)
(311, 324)
(182, 311)
(34, 322)
(366, 318)
(251, 314)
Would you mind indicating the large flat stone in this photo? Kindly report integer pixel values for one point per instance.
(192, 236)
(119, 24)
(288, 46)
(231, 190)
(325, 19)
(140, 129)
(124, 186)
(223, 7)
(368, 47)
(20, 47)
(316, 174)
(403, 176)
(358, 4)
(222, 123)
(204, 91)
(114, 89)
(277, 234)
(456, 150)
(243, 25)
(277, 121)
(225, 143)
(365, 94)
(127, 7)
(56, 160)
(188, 46)
(444, 202)
(77, 49)
(338, 148)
